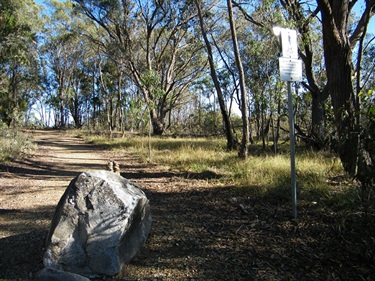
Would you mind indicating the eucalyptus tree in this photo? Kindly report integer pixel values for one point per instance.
(158, 47)
(206, 27)
(58, 52)
(81, 88)
(365, 85)
(68, 57)
(241, 75)
(18, 58)
(262, 78)
(258, 51)
(366, 80)
(104, 64)
(366, 98)
(341, 33)
(264, 15)
(339, 41)
(111, 74)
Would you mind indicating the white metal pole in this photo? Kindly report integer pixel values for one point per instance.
(292, 149)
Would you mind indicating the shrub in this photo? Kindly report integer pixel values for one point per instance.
(13, 143)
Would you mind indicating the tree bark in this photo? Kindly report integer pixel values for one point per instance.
(338, 55)
(245, 120)
(62, 107)
(157, 123)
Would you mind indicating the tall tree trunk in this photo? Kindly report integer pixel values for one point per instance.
(62, 107)
(14, 95)
(245, 120)
(119, 114)
(223, 109)
(76, 114)
(338, 46)
(338, 56)
(109, 112)
(276, 140)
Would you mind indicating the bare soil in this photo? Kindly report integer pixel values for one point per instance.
(202, 230)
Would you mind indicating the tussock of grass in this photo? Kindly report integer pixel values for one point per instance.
(262, 174)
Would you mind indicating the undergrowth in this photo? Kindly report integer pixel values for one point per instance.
(13, 143)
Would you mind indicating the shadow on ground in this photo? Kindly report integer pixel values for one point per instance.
(22, 251)
(216, 234)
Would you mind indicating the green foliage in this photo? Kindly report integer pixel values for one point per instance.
(368, 103)
(152, 82)
(10, 109)
(18, 60)
(366, 164)
(8, 19)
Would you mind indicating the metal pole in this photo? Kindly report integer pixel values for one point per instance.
(292, 149)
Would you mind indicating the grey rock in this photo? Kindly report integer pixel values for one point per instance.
(52, 274)
(100, 223)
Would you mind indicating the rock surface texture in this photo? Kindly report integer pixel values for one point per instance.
(100, 223)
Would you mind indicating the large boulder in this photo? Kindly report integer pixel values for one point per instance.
(100, 223)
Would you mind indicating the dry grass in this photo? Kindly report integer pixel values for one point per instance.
(261, 173)
(13, 143)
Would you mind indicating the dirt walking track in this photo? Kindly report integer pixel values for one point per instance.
(201, 230)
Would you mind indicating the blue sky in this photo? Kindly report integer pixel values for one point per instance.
(358, 8)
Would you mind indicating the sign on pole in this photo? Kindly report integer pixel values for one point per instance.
(289, 44)
(290, 71)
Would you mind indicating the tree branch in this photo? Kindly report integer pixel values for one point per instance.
(246, 15)
(363, 23)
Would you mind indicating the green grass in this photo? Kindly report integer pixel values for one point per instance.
(261, 174)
